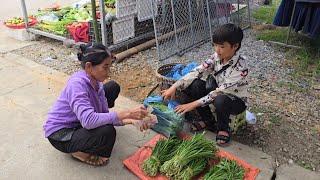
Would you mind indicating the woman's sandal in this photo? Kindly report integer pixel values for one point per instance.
(224, 138)
(202, 125)
(93, 160)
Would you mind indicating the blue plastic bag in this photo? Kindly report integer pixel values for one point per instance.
(169, 122)
(153, 99)
(172, 104)
(179, 70)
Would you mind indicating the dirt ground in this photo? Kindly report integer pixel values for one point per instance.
(136, 82)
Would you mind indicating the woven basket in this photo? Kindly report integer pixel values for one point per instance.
(161, 73)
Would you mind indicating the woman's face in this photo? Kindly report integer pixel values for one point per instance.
(101, 71)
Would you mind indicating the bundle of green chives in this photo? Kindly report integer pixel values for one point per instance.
(225, 170)
(163, 151)
(192, 169)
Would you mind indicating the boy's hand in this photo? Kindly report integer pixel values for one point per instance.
(184, 108)
(169, 94)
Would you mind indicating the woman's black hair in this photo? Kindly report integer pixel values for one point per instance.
(94, 53)
(228, 33)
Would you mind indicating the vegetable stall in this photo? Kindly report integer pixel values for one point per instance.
(115, 23)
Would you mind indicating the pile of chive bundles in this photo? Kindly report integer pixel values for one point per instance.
(185, 159)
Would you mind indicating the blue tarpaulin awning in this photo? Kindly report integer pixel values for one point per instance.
(305, 16)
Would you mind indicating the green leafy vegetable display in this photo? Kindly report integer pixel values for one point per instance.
(78, 15)
(58, 27)
(110, 2)
(62, 18)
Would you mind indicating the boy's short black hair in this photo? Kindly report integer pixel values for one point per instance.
(228, 33)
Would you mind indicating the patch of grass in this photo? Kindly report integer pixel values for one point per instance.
(315, 130)
(306, 60)
(279, 34)
(275, 119)
(317, 71)
(257, 109)
(265, 14)
(305, 165)
(291, 86)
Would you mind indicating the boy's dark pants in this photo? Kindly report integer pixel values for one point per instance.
(98, 141)
(225, 105)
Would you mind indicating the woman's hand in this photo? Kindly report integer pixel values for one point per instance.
(137, 113)
(169, 93)
(184, 108)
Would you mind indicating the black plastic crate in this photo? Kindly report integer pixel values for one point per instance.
(141, 28)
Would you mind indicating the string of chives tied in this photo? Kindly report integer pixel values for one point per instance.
(163, 151)
(225, 170)
(189, 150)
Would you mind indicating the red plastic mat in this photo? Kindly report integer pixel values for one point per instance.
(134, 162)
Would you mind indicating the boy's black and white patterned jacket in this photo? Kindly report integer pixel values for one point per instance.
(232, 81)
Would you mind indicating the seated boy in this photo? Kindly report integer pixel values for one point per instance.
(227, 71)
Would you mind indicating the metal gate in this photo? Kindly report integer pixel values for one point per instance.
(181, 25)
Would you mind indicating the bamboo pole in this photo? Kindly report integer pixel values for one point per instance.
(94, 20)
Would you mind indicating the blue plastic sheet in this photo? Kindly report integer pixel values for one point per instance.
(306, 16)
